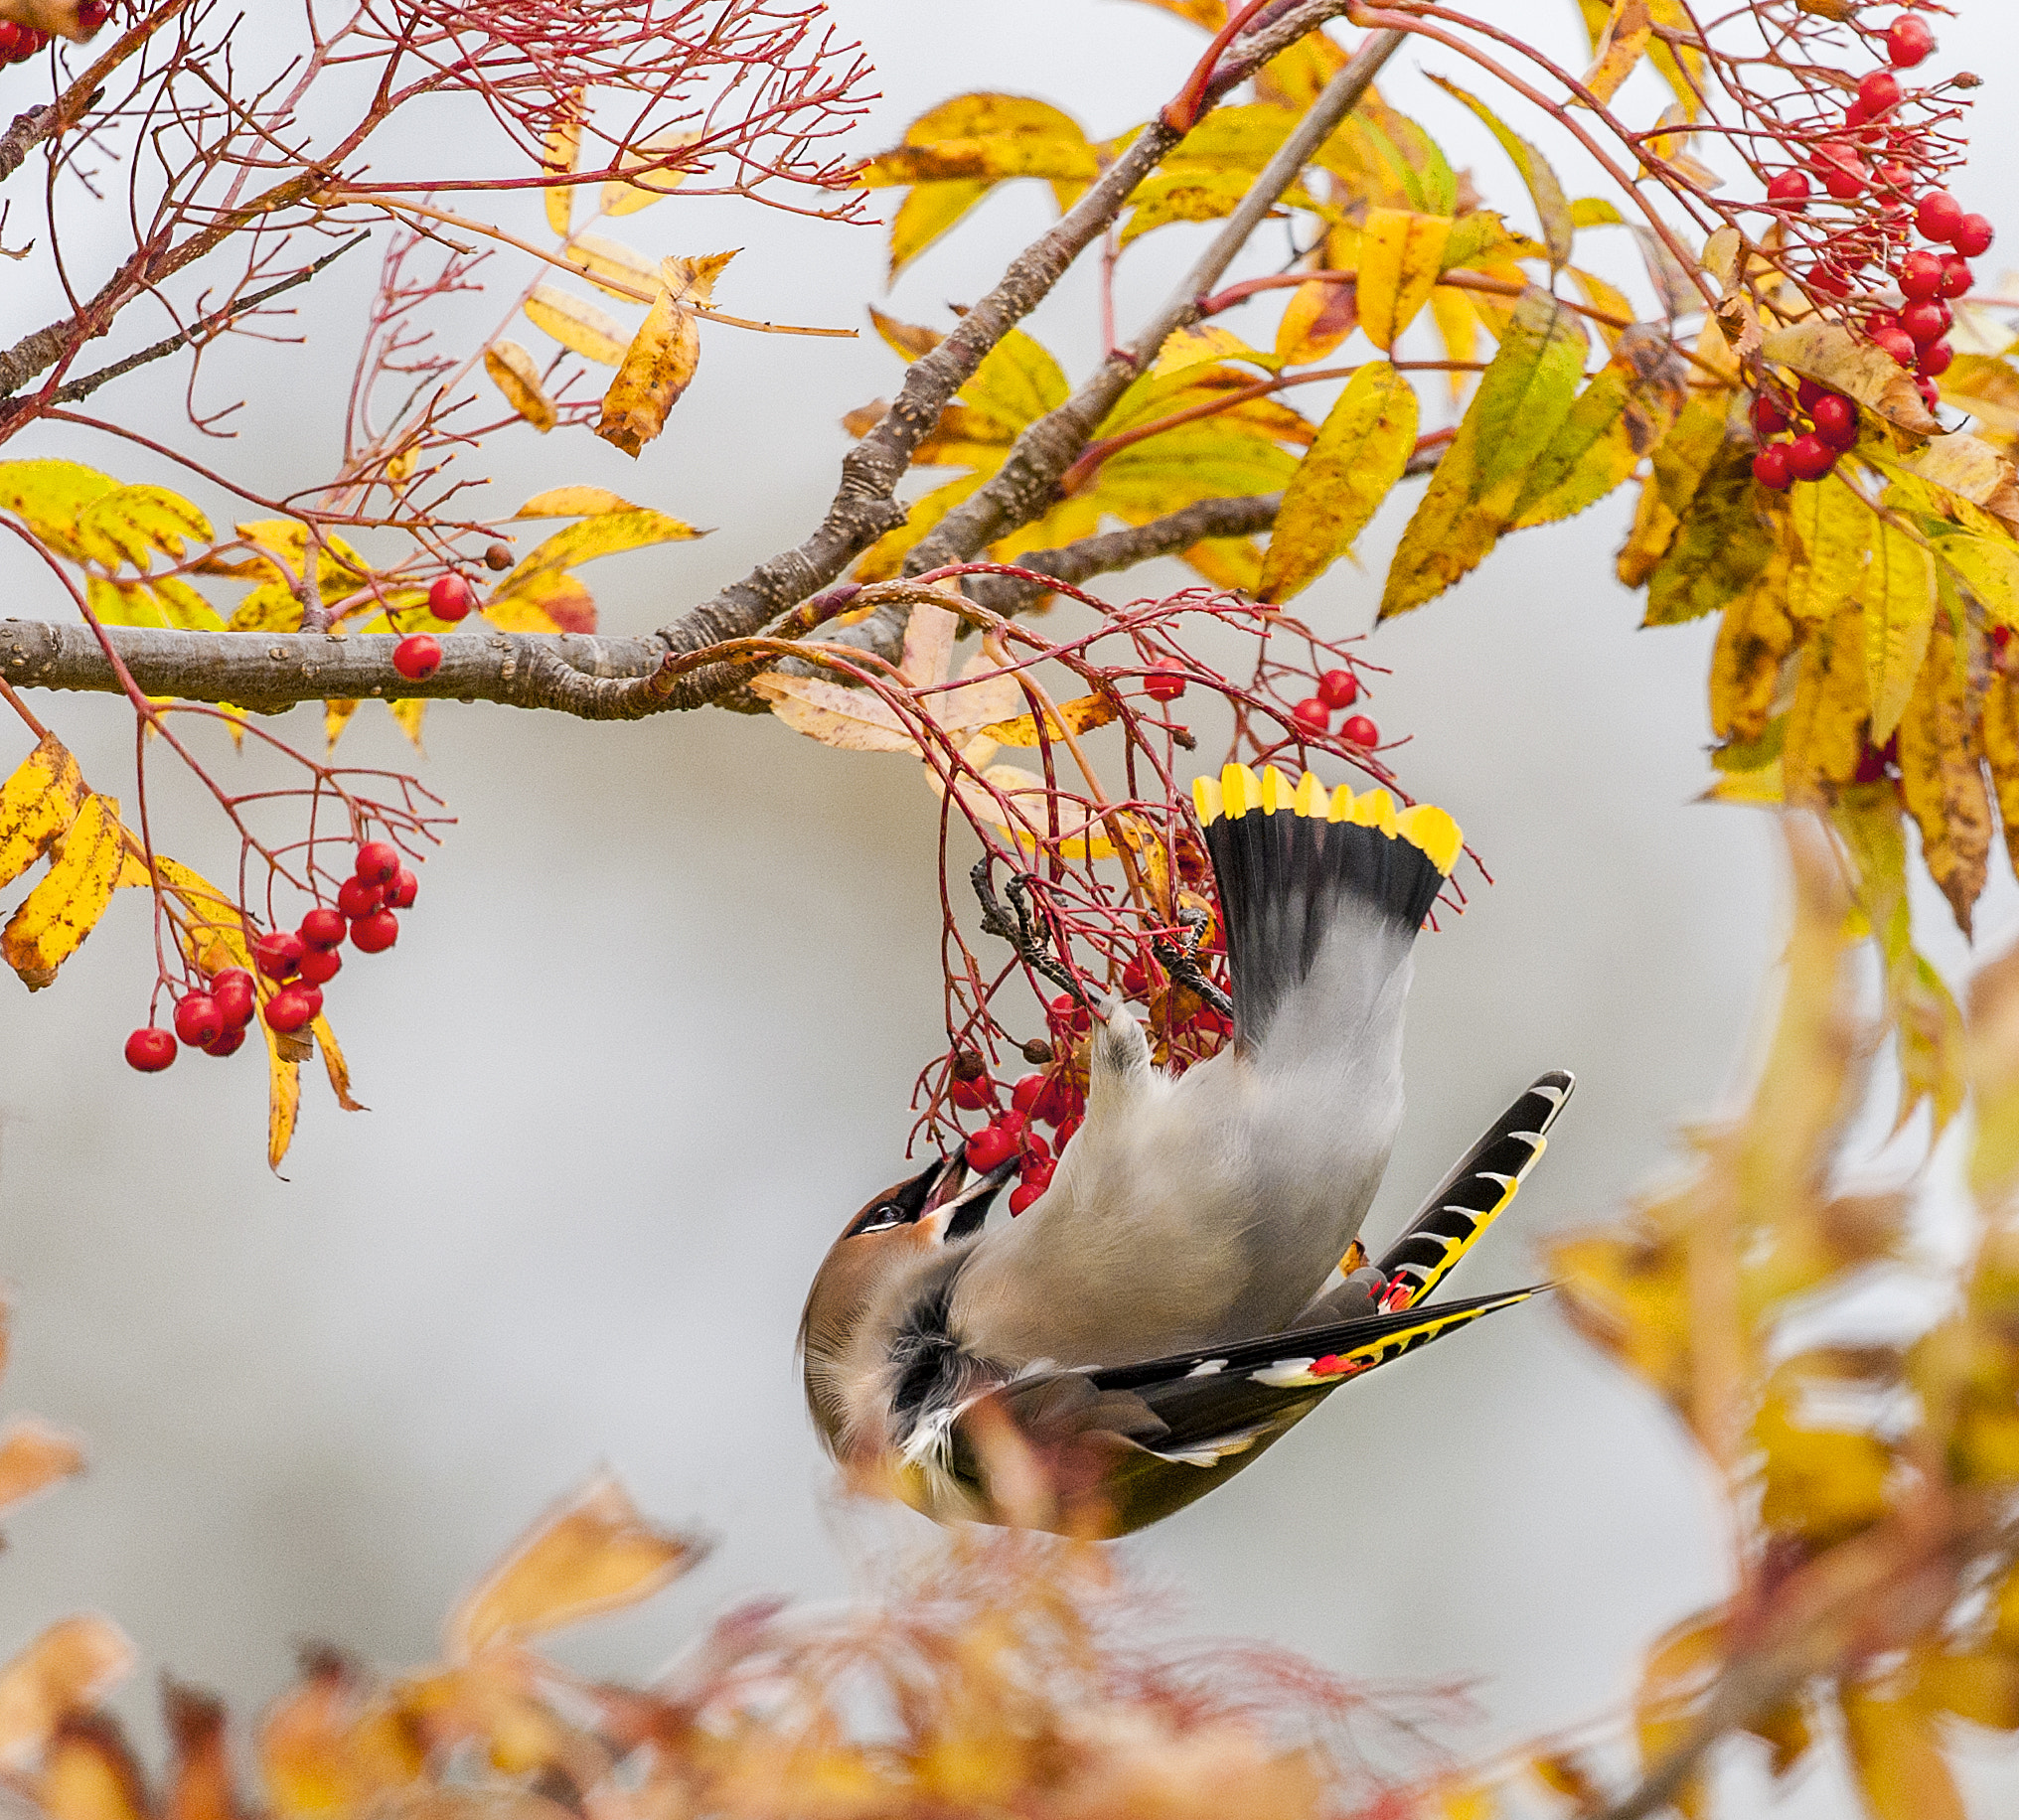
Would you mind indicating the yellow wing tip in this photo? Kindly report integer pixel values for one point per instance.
(1430, 831)
(1205, 795)
(1239, 789)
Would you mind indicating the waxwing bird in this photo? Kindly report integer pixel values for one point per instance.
(1191, 1283)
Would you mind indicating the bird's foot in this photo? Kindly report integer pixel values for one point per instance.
(1180, 959)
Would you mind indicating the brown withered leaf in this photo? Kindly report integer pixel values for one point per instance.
(1078, 716)
(592, 1553)
(1830, 354)
(65, 1670)
(1942, 776)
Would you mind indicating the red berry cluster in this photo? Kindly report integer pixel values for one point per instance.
(18, 42)
(1813, 453)
(1038, 1099)
(1337, 690)
(300, 961)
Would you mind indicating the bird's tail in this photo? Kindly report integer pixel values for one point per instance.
(1293, 860)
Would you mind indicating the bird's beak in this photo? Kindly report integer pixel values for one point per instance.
(958, 1202)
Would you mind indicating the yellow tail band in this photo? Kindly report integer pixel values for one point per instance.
(1238, 789)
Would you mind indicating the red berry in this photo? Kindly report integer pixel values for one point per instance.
(1064, 1134)
(1338, 688)
(1908, 41)
(1311, 716)
(1037, 1154)
(1938, 215)
(418, 658)
(1896, 341)
(1810, 392)
(1067, 1010)
(1810, 457)
(311, 995)
(378, 861)
(1164, 682)
(1136, 981)
(1974, 236)
(1921, 275)
(1790, 190)
(972, 1096)
(320, 965)
(1013, 1124)
(1056, 1103)
(235, 996)
(1925, 322)
(278, 955)
(1771, 469)
(10, 41)
(1024, 1094)
(1361, 731)
(990, 1149)
(230, 1043)
(403, 889)
(91, 13)
(375, 933)
(1023, 1196)
(1836, 420)
(1935, 359)
(1930, 392)
(1769, 419)
(1894, 177)
(323, 927)
(451, 598)
(289, 1009)
(198, 1022)
(1956, 276)
(1879, 92)
(360, 897)
(1842, 171)
(150, 1049)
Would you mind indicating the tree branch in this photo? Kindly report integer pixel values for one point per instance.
(1115, 550)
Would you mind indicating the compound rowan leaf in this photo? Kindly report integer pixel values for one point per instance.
(652, 171)
(1897, 1758)
(612, 268)
(1361, 449)
(1525, 396)
(135, 523)
(1825, 739)
(54, 918)
(1619, 48)
(1831, 355)
(37, 803)
(34, 1456)
(67, 1670)
(514, 372)
(1942, 777)
(1626, 410)
(593, 1553)
(1552, 206)
(576, 323)
(1899, 616)
(1401, 259)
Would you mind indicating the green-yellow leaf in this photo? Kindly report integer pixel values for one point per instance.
(50, 497)
(1989, 568)
(1401, 259)
(1628, 409)
(1551, 205)
(1725, 539)
(1361, 449)
(1899, 615)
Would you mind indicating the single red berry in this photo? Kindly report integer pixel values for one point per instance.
(278, 955)
(451, 598)
(1064, 1134)
(1908, 41)
(1361, 731)
(1164, 682)
(1024, 1094)
(232, 1040)
(323, 927)
(1925, 322)
(1895, 178)
(1881, 319)
(1311, 716)
(418, 658)
(1769, 419)
(1338, 688)
(288, 1009)
(311, 995)
(378, 861)
(374, 934)
(1829, 281)
(990, 1149)
(1023, 1196)
(320, 965)
(1056, 1103)
(1935, 359)
(1013, 1124)
(1790, 189)
(32, 41)
(1842, 171)
(1879, 92)
(10, 41)
(972, 1096)
(403, 889)
(1974, 236)
(1896, 341)
(235, 995)
(198, 1022)
(91, 13)
(1938, 215)
(1956, 276)
(1811, 458)
(1067, 1010)
(1921, 275)
(360, 897)
(1930, 392)
(1037, 1154)
(1771, 469)
(1136, 979)
(1810, 392)
(150, 1049)
(1836, 420)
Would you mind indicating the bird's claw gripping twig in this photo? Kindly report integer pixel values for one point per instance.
(1180, 959)
(1020, 933)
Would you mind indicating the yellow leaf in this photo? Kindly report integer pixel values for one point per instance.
(1401, 259)
(1727, 536)
(1026, 819)
(592, 1555)
(1314, 321)
(1681, 65)
(1998, 727)
(577, 324)
(605, 534)
(1825, 733)
(1552, 206)
(37, 803)
(1081, 715)
(926, 214)
(1819, 1484)
(50, 497)
(88, 1774)
(63, 909)
(1989, 568)
(1966, 468)
(1942, 777)
(34, 1456)
(693, 280)
(1753, 637)
(551, 600)
(1361, 449)
(574, 503)
(334, 1065)
(1833, 524)
(560, 153)
(1628, 29)
(1830, 354)
(335, 718)
(407, 716)
(65, 1670)
(1981, 1686)
(1458, 328)
(1018, 383)
(1897, 1758)
(1603, 296)
(1681, 459)
(657, 368)
(1899, 615)
(515, 374)
(1675, 1684)
(613, 267)
(131, 524)
(648, 176)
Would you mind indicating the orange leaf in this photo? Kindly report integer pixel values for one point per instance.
(34, 1456)
(65, 1670)
(90, 1774)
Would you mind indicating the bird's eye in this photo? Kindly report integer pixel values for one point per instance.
(879, 1218)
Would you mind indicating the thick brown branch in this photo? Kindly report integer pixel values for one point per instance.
(1029, 478)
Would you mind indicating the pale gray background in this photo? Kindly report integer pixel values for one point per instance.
(650, 1033)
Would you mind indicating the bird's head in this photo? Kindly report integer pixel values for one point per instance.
(859, 1289)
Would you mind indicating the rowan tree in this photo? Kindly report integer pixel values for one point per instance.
(1816, 408)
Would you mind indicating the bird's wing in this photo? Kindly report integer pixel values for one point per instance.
(1473, 1195)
